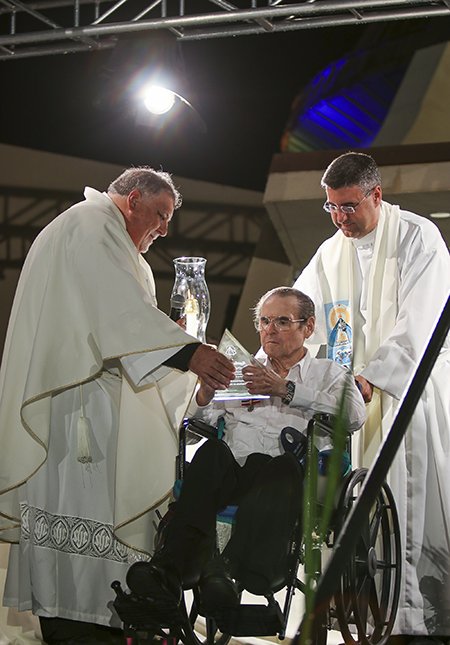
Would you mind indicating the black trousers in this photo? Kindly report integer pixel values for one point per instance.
(64, 632)
(268, 492)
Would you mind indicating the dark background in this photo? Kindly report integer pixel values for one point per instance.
(243, 87)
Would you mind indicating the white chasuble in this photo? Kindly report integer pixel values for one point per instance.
(85, 339)
(408, 286)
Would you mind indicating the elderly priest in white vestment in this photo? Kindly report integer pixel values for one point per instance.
(94, 383)
(379, 285)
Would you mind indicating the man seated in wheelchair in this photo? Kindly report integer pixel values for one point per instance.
(250, 468)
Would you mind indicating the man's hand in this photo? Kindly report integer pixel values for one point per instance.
(181, 322)
(365, 388)
(261, 380)
(215, 369)
(205, 394)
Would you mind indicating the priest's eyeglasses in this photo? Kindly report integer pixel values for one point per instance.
(281, 323)
(348, 209)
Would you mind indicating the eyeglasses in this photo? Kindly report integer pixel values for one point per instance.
(281, 323)
(348, 209)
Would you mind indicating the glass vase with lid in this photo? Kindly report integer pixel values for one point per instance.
(190, 283)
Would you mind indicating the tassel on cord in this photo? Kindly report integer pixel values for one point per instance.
(84, 444)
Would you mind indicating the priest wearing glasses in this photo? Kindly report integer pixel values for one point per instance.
(386, 274)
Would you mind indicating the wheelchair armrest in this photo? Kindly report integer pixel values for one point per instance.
(192, 427)
(201, 428)
(325, 422)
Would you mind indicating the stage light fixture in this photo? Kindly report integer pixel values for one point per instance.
(158, 100)
(140, 64)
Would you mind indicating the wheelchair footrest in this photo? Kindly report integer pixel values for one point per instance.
(144, 613)
(250, 620)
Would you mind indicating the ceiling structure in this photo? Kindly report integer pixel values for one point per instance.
(30, 28)
(227, 234)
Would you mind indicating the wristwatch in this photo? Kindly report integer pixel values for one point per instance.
(290, 391)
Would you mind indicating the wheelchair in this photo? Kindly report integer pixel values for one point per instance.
(364, 607)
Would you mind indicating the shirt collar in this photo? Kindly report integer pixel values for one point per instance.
(366, 241)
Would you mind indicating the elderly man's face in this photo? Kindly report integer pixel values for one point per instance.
(365, 217)
(284, 345)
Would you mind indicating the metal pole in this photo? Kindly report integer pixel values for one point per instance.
(305, 16)
(348, 537)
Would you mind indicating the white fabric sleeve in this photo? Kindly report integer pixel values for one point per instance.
(208, 413)
(328, 401)
(423, 286)
(148, 367)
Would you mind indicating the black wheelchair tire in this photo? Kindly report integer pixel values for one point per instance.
(370, 587)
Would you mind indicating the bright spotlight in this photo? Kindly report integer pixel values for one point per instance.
(158, 100)
(145, 79)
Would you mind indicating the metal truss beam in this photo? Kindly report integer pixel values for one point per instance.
(224, 234)
(35, 27)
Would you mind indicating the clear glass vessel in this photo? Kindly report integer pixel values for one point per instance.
(191, 284)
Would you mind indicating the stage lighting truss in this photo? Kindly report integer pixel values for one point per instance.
(38, 27)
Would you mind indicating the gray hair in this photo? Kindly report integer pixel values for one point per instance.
(305, 305)
(352, 169)
(148, 181)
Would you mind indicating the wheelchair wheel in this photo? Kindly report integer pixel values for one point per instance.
(367, 601)
(212, 636)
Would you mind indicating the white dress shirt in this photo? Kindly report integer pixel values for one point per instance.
(256, 426)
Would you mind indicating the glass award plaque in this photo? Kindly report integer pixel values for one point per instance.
(232, 349)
